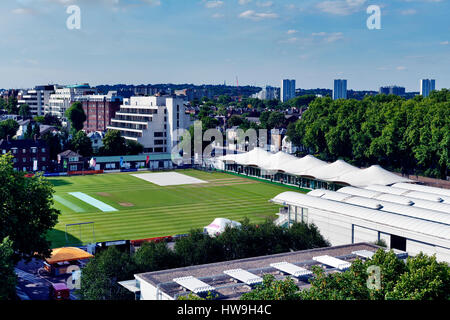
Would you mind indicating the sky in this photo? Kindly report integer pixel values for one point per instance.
(258, 42)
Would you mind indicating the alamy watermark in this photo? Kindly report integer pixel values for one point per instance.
(73, 22)
(374, 20)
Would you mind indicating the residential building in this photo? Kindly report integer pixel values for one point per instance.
(267, 93)
(152, 121)
(287, 91)
(36, 98)
(70, 161)
(63, 98)
(191, 94)
(99, 110)
(340, 89)
(426, 87)
(29, 155)
(143, 90)
(96, 139)
(395, 90)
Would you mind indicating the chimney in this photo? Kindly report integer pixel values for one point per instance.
(35, 138)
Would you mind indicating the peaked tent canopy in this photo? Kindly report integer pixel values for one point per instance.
(373, 175)
(68, 254)
(332, 171)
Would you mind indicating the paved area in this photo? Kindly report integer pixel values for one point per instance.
(168, 179)
(33, 281)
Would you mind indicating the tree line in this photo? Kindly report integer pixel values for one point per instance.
(99, 278)
(408, 136)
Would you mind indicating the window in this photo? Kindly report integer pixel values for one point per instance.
(43, 149)
(24, 159)
(34, 150)
(4, 151)
(14, 151)
(24, 151)
(73, 168)
(44, 159)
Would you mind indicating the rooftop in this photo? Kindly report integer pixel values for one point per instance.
(229, 288)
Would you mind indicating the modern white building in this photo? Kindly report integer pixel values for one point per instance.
(343, 218)
(287, 91)
(152, 121)
(63, 98)
(36, 98)
(267, 93)
(426, 86)
(340, 89)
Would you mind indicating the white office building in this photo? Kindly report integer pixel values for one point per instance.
(340, 89)
(267, 93)
(426, 86)
(287, 91)
(152, 121)
(63, 98)
(36, 98)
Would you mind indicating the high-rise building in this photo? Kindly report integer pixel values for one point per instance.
(152, 121)
(395, 90)
(426, 86)
(63, 98)
(36, 99)
(340, 89)
(99, 110)
(287, 90)
(267, 93)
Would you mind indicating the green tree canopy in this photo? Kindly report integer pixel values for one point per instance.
(113, 144)
(8, 128)
(27, 211)
(76, 116)
(8, 279)
(25, 111)
(82, 144)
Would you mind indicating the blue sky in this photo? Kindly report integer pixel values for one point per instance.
(202, 41)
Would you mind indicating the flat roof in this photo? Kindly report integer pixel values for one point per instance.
(213, 274)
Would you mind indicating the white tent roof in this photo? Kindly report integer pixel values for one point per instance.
(332, 171)
(277, 161)
(303, 165)
(373, 175)
(419, 229)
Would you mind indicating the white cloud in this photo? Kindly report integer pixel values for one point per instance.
(252, 15)
(341, 7)
(408, 12)
(244, 2)
(329, 37)
(292, 31)
(213, 4)
(445, 43)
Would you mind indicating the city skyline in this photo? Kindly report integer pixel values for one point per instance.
(207, 42)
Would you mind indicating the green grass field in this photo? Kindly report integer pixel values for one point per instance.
(147, 210)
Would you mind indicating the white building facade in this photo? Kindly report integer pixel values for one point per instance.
(36, 99)
(63, 98)
(152, 121)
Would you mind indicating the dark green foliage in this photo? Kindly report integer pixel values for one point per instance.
(76, 116)
(273, 290)
(81, 144)
(27, 211)
(412, 136)
(8, 128)
(8, 279)
(155, 256)
(113, 144)
(134, 148)
(99, 278)
(24, 111)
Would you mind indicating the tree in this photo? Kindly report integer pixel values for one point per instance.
(8, 128)
(424, 279)
(134, 148)
(82, 144)
(113, 144)
(12, 105)
(76, 116)
(8, 277)
(53, 142)
(100, 277)
(27, 211)
(155, 256)
(273, 290)
(25, 111)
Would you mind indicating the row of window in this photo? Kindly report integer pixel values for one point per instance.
(15, 150)
(15, 160)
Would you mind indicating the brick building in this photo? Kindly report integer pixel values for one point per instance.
(99, 109)
(29, 155)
